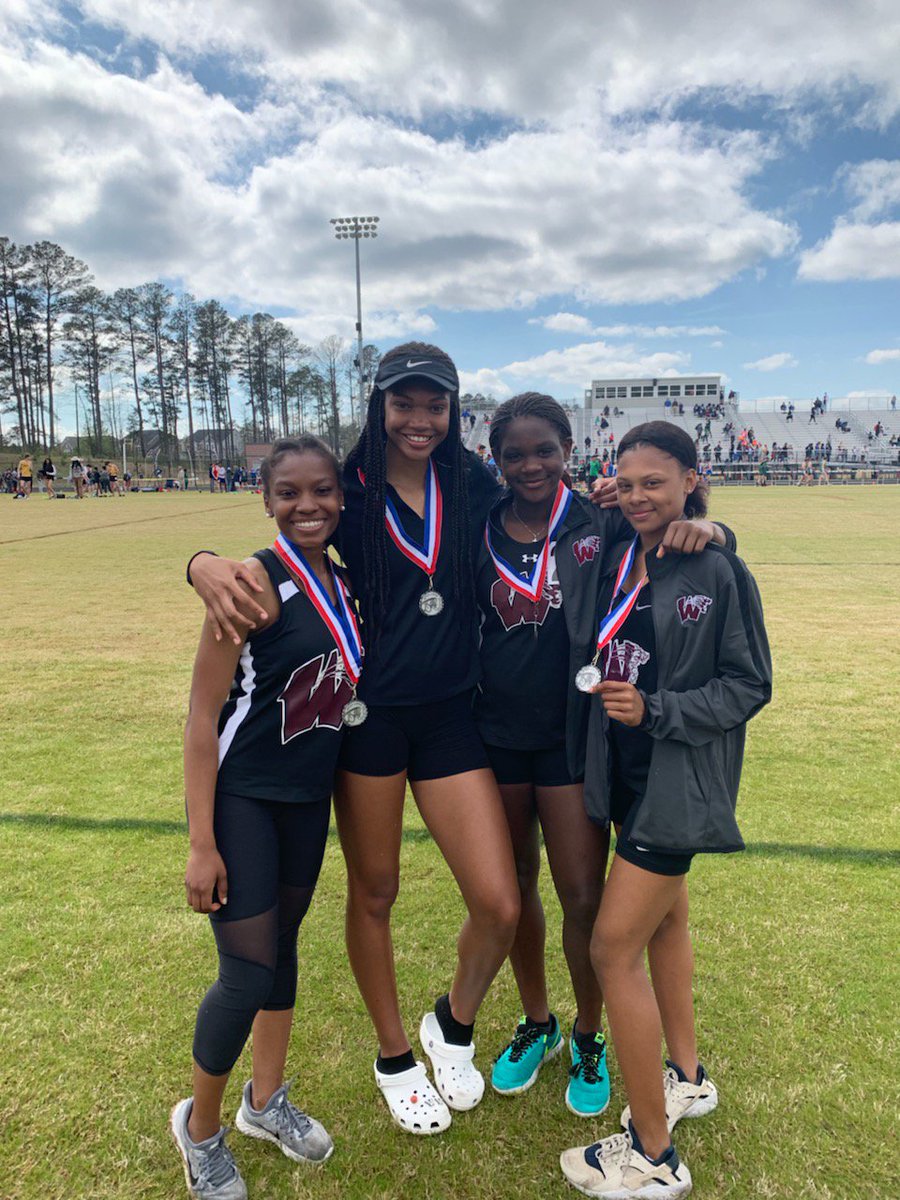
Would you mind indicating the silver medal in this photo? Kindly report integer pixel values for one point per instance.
(354, 712)
(431, 603)
(588, 678)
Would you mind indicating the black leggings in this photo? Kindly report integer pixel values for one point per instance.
(273, 854)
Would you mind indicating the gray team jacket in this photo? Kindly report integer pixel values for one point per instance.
(714, 672)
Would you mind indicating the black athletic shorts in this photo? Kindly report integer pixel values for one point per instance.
(428, 741)
(624, 805)
(265, 844)
(542, 768)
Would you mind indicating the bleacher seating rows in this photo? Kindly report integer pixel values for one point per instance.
(767, 428)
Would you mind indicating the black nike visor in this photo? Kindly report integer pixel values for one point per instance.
(434, 370)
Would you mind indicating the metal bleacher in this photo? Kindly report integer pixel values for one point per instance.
(768, 428)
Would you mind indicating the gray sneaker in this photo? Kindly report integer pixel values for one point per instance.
(300, 1137)
(209, 1169)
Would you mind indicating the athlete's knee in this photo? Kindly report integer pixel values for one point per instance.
(580, 904)
(499, 913)
(242, 986)
(373, 895)
(613, 950)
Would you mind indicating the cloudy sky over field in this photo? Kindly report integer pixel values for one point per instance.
(565, 190)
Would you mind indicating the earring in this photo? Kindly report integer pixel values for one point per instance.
(268, 514)
(343, 506)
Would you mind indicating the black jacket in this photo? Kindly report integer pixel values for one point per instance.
(714, 674)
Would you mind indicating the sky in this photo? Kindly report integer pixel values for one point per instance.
(566, 191)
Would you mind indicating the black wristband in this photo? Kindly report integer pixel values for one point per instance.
(187, 573)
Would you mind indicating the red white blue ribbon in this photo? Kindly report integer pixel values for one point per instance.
(340, 618)
(618, 613)
(533, 585)
(426, 554)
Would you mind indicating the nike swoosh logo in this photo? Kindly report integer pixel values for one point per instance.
(425, 362)
(642, 607)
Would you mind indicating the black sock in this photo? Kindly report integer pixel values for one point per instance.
(585, 1041)
(638, 1145)
(454, 1032)
(543, 1026)
(396, 1063)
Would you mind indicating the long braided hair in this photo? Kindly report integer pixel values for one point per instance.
(369, 455)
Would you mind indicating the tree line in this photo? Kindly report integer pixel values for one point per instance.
(157, 366)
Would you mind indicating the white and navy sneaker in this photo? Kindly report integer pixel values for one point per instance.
(684, 1098)
(300, 1137)
(616, 1169)
(209, 1169)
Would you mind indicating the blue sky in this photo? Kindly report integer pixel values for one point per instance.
(565, 192)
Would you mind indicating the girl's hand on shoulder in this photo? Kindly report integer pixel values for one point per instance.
(686, 537)
(219, 582)
(622, 701)
(206, 873)
(605, 494)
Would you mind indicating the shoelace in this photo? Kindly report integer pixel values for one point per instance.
(215, 1163)
(524, 1039)
(614, 1146)
(588, 1065)
(290, 1118)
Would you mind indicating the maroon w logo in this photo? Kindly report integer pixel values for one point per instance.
(586, 549)
(314, 697)
(692, 608)
(515, 609)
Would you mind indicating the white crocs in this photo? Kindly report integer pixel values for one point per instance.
(413, 1102)
(455, 1075)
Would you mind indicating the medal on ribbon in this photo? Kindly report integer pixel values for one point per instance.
(339, 619)
(425, 556)
(532, 585)
(590, 674)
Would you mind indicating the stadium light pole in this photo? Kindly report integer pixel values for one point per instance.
(356, 228)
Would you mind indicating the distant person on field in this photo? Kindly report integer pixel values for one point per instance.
(26, 475)
(48, 474)
(78, 475)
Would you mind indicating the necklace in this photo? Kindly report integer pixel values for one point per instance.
(535, 537)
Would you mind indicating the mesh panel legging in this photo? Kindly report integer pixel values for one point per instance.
(273, 854)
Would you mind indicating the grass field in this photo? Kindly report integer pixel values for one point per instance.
(103, 965)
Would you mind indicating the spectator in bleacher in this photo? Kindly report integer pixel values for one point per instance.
(718, 452)
(812, 414)
(790, 413)
(893, 403)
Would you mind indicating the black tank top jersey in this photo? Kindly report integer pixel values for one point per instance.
(417, 659)
(631, 658)
(521, 699)
(281, 727)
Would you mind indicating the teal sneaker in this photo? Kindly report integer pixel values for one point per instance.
(588, 1092)
(516, 1069)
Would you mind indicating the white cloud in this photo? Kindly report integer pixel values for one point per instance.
(572, 369)
(858, 246)
(854, 252)
(485, 381)
(773, 362)
(153, 177)
(876, 357)
(565, 322)
(509, 57)
(874, 185)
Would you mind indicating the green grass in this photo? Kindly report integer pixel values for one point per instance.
(103, 965)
